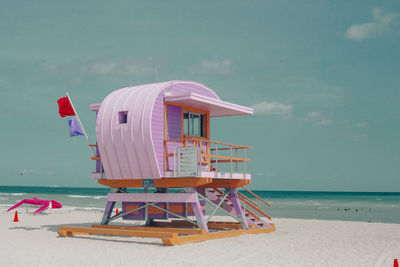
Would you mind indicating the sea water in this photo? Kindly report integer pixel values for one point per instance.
(348, 206)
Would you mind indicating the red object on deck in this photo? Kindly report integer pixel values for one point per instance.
(396, 263)
(117, 213)
(65, 107)
(16, 217)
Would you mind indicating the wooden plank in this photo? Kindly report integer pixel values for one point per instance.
(93, 145)
(154, 229)
(121, 182)
(62, 233)
(95, 158)
(181, 182)
(264, 230)
(234, 159)
(227, 183)
(247, 199)
(224, 225)
(191, 138)
(259, 198)
(169, 235)
(210, 225)
(178, 240)
(86, 230)
(260, 211)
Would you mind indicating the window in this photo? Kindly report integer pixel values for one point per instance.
(123, 116)
(193, 124)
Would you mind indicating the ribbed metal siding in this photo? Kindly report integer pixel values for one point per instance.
(135, 150)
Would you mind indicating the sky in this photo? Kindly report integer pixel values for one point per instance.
(322, 77)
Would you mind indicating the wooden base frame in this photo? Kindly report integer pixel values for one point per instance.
(170, 233)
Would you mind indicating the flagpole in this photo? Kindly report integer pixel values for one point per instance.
(80, 124)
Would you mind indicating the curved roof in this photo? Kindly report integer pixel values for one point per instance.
(127, 149)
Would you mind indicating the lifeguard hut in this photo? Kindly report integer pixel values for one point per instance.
(156, 137)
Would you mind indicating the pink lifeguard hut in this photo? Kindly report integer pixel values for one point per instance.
(157, 137)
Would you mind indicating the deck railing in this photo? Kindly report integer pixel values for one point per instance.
(211, 155)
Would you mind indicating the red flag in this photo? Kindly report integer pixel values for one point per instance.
(64, 107)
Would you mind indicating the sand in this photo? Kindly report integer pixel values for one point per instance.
(34, 242)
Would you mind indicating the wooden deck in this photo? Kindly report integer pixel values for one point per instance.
(171, 233)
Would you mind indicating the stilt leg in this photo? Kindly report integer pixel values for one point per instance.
(107, 212)
(199, 215)
(196, 207)
(238, 208)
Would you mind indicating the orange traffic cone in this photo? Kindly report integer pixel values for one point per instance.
(117, 213)
(16, 216)
(396, 263)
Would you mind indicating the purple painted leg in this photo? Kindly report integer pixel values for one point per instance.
(107, 212)
(196, 207)
(237, 206)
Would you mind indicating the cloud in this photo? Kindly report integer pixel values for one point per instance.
(317, 119)
(213, 66)
(273, 109)
(362, 124)
(381, 23)
(79, 70)
(123, 67)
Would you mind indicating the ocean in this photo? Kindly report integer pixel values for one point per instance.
(347, 206)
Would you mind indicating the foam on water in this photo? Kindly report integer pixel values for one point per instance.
(350, 206)
(80, 196)
(12, 194)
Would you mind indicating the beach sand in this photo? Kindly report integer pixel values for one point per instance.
(34, 242)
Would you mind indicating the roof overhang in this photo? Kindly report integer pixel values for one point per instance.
(217, 108)
(95, 107)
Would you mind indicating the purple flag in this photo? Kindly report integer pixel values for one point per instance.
(74, 128)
